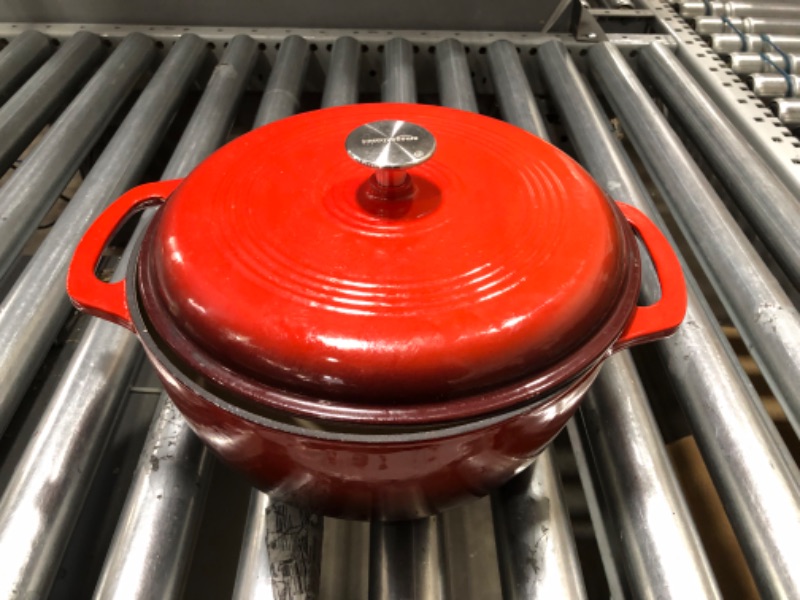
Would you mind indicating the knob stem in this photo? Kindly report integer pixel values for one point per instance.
(391, 178)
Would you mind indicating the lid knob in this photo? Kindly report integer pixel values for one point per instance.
(391, 147)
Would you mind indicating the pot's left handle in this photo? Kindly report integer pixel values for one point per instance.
(90, 293)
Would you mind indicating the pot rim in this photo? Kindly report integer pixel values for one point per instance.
(467, 408)
(377, 434)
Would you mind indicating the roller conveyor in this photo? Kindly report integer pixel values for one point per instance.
(746, 25)
(104, 490)
(788, 111)
(725, 43)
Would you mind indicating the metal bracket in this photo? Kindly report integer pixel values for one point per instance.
(584, 26)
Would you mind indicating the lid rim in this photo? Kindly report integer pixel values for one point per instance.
(147, 311)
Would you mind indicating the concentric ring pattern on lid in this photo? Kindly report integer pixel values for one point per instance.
(281, 258)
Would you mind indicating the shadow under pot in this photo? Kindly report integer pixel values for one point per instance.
(380, 320)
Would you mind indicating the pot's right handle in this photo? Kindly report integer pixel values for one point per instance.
(662, 318)
(89, 293)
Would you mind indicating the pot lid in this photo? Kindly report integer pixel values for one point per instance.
(388, 253)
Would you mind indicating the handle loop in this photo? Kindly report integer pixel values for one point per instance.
(662, 318)
(88, 292)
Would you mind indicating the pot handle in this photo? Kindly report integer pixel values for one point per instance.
(662, 318)
(89, 293)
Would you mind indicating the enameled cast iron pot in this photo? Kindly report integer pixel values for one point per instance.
(380, 320)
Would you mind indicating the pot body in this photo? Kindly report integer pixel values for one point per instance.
(384, 459)
(375, 476)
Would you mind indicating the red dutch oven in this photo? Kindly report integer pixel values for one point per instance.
(376, 311)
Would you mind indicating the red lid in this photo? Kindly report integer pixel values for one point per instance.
(283, 258)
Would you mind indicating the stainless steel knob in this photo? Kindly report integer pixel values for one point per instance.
(391, 147)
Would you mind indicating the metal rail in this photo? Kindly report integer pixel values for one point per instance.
(517, 104)
(743, 172)
(617, 584)
(779, 10)
(281, 549)
(399, 84)
(37, 305)
(788, 111)
(406, 560)
(371, 39)
(725, 43)
(341, 85)
(282, 96)
(750, 117)
(42, 501)
(172, 477)
(254, 576)
(163, 508)
(772, 85)
(764, 314)
(656, 543)
(530, 520)
(452, 70)
(746, 63)
(36, 184)
(769, 533)
(771, 25)
(20, 59)
(24, 115)
(618, 427)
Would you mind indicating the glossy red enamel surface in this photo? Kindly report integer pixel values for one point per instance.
(386, 477)
(273, 258)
